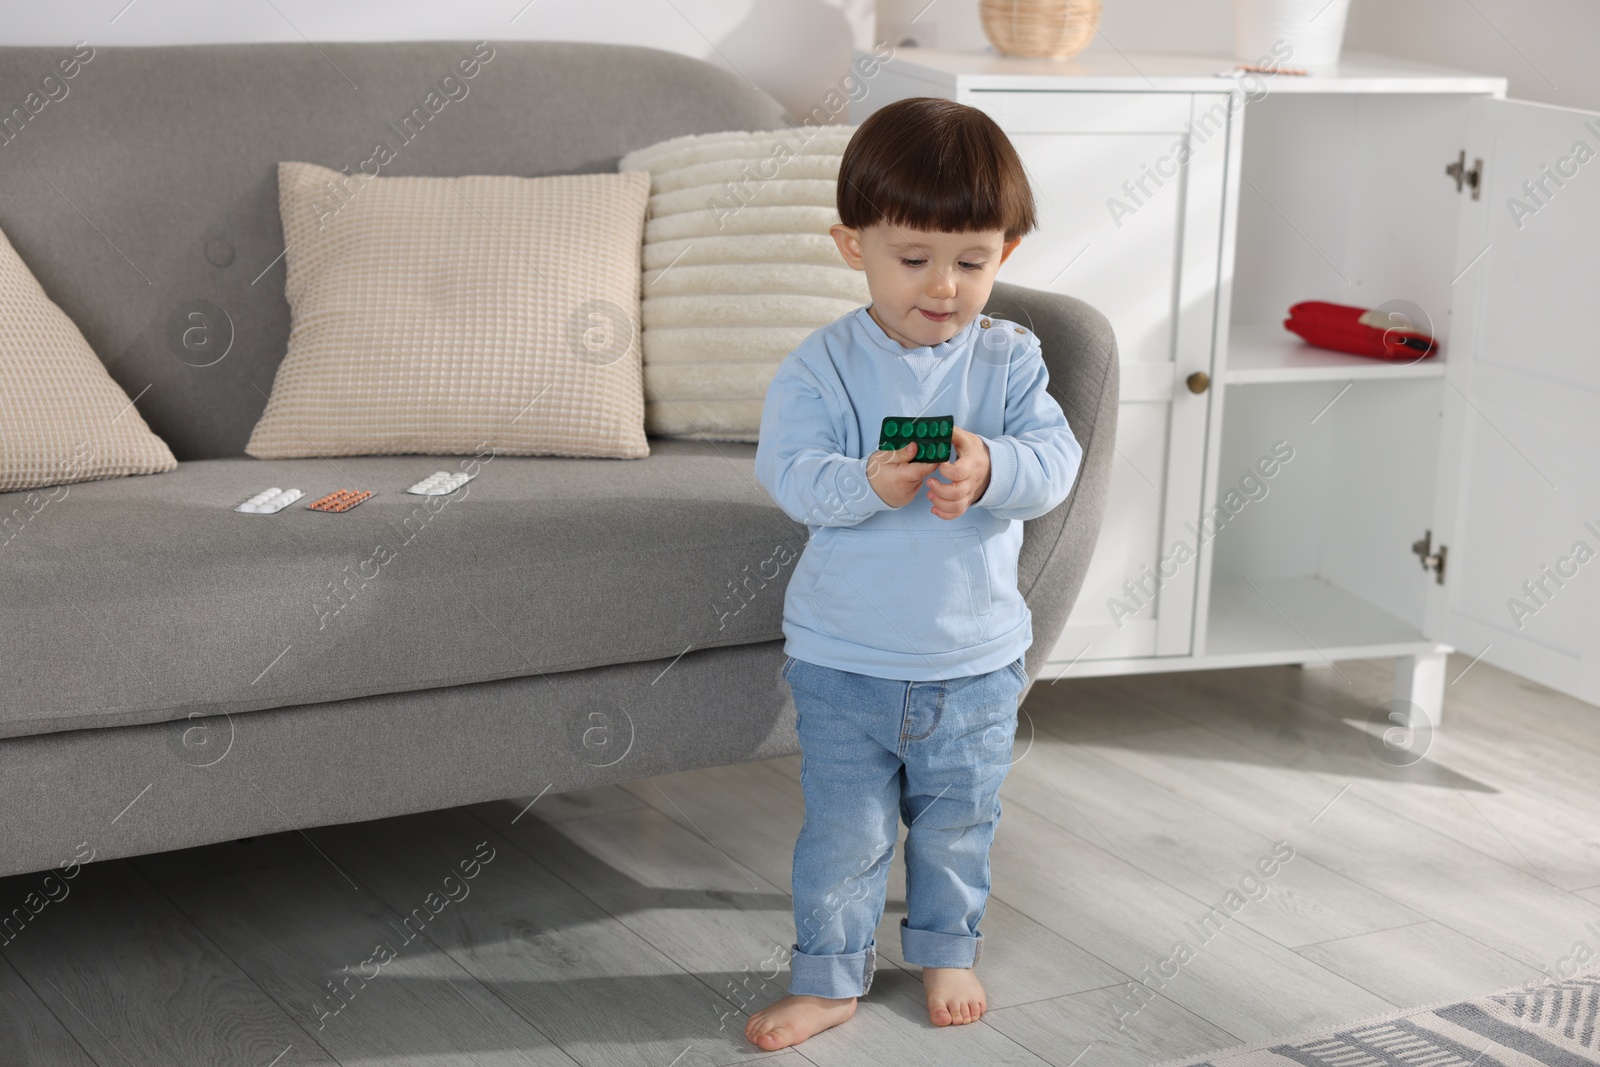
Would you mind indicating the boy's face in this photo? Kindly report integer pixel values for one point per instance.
(926, 285)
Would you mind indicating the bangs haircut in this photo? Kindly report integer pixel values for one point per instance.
(932, 164)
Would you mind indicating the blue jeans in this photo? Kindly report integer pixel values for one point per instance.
(875, 751)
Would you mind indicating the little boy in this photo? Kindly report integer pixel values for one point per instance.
(904, 627)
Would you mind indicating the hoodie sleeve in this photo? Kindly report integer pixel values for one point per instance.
(798, 460)
(1035, 461)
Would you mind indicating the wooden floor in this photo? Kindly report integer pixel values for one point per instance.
(629, 925)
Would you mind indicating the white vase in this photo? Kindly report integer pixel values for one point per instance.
(1312, 29)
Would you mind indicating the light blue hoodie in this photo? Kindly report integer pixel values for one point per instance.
(899, 592)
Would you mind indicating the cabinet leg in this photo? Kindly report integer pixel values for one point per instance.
(1419, 680)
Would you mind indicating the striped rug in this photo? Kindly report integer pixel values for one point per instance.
(1551, 1023)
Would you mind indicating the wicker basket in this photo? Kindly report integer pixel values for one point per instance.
(1040, 29)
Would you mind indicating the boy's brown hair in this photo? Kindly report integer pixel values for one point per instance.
(932, 164)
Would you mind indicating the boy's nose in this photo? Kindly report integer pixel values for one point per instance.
(941, 284)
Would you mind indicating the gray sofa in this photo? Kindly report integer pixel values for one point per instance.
(175, 673)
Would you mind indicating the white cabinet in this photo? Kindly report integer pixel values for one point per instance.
(1299, 508)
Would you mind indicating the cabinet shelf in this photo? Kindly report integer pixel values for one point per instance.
(1261, 353)
(1274, 620)
(1244, 629)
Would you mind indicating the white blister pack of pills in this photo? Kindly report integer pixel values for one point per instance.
(270, 501)
(441, 482)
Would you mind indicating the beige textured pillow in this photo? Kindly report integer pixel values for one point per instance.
(439, 315)
(62, 418)
(738, 269)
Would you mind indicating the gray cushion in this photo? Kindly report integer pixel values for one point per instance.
(172, 153)
(148, 599)
(138, 600)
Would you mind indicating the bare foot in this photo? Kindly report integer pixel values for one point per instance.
(793, 1019)
(955, 996)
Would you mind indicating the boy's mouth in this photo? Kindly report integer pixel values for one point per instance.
(936, 316)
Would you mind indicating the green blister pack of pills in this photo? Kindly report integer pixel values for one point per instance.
(930, 432)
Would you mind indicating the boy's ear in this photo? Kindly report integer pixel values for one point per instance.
(1009, 247)
(848, 238)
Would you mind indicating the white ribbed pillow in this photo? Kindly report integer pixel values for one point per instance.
(437, 315)
(738, 268)
(62, 418)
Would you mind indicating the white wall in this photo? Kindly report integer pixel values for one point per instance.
(794, 49)
(1545, 47)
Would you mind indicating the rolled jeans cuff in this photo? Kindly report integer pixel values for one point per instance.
(834, 977)
(928, 948)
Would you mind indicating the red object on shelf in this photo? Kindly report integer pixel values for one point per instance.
(1359, 331)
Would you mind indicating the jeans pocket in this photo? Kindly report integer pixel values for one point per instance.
(1019, 668)
(788, 662)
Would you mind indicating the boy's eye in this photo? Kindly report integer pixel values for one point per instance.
(963, 264)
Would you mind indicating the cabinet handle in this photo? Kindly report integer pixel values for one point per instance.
(1198, 382)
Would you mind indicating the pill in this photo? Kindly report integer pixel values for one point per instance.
(441, 482)
(340, 500)
(269, 501)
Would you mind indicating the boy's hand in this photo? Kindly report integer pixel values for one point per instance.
(895, 477)
(968, 474)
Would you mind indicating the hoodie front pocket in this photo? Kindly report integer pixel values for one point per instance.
(906, 591)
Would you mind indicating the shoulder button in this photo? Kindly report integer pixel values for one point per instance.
(984, 323)
(1021, 330)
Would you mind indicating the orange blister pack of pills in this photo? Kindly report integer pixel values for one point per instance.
(340, 500)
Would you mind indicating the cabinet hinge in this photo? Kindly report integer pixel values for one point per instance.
(1458, 170)
(1431, 560)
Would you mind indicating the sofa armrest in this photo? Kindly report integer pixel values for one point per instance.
(1080, 352)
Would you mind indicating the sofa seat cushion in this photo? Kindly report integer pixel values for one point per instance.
(151, 599)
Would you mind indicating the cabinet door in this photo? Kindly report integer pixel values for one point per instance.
(1132, 225)
(1518, 505)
